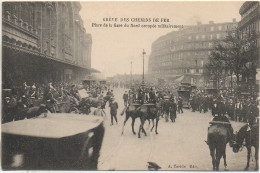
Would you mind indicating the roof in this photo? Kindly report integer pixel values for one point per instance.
(246, 6)
(167, 36)
(53, 126)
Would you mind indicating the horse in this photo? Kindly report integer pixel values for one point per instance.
(36, 111)
(95, 102)
(9, 110)
(217, 140)
(130, 112)
(146, 112)
(251, 137)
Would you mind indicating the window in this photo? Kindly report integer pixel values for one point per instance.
(218, 36)
(211, 36)
(197, 37)
(189, 37)
(203, 36)
(220, 28)
(212, 28)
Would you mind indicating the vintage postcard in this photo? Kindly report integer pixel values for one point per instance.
(130, 86)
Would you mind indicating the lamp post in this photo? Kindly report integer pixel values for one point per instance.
(131, 74)
(143, 67)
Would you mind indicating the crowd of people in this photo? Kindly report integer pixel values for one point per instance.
(167, 99)
(20, 98)
(240, 109)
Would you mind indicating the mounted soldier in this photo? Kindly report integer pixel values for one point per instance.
(223, 120)
(253, 113)
(152, 97)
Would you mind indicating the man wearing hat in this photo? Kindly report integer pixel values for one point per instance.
(180, 105)
(113, 110)
(152, 96)
(253, 112)
(50, 100)
(166, 107)
(125, 98)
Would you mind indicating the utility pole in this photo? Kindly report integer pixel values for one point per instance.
(131, 74)
(143, 66)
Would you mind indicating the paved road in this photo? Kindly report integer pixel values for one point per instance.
(178, 146)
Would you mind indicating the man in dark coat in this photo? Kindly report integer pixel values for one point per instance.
(50, 101)
(152, 96)
(192, 103)
(125, 98)
(244, 111)
(253, 113)
(113, 110)
(173, 110)
(109, 92)
(180, 105)
(166, 108)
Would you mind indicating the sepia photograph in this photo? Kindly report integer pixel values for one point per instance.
(130, 86)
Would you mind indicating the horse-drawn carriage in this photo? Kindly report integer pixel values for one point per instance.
(184, 92)
(86, 101)
(55, 142)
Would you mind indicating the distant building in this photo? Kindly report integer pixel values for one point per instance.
(44, 41)
(250, 22)
(185, 52)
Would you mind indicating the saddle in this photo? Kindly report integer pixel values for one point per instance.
(219, 122)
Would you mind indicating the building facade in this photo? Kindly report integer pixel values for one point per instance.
(184, 53)
(250, 22)
(44, 41)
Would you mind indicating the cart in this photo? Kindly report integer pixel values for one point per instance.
(184, 92)
(55, 142)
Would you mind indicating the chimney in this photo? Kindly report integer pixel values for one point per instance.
(211, 22)
(198, 23)
(234, 20)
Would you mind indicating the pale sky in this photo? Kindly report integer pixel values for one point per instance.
(114, 48)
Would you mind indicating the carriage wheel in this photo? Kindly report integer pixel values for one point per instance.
(74, 110)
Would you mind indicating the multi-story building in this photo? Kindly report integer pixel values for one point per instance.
(250, 22)
(44, 41)
(184, 53)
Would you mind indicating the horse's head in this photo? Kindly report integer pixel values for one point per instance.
(235, 145)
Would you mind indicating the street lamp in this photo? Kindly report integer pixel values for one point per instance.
(143, 66)
(131, 74)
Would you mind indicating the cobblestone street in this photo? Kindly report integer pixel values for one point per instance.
(178, 146)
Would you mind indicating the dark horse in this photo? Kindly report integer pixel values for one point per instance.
(217, 140)
(95, 102)
(130, 112)
(251, 138)
(147, 112)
